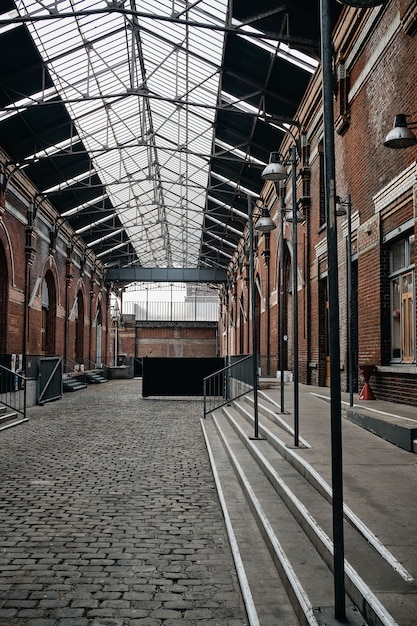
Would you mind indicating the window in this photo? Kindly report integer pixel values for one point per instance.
(402, 300)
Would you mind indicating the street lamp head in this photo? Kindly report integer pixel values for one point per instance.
(299, 217)
(275, 171)
(265, 223)
(340, 207)
(401, 136)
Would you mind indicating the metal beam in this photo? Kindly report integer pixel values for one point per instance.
(165, 275)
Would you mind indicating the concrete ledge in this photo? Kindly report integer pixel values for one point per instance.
(396, 430)
(119, 372)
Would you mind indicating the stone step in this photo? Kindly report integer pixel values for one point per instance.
(292, 507)
(73, 383)
(398, 428)
(10, 418)
(95, 378)
(394, 428)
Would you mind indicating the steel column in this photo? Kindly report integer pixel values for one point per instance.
(334, 338)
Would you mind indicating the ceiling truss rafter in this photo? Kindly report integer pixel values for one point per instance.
(305, 42)
(169, 114)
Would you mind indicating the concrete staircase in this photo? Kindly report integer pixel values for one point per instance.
(95, 378)
(10, 418)
(73, 383)
(278, 512)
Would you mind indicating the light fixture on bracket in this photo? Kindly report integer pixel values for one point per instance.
(276, 169)
(299, 217)
(264, 224)
(401, 135)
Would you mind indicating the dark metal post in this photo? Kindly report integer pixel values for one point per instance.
(295, 289)
(334, 339)
(349, 295)
(281, 301)
(252, 302)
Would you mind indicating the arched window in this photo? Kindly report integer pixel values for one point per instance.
(48, 314)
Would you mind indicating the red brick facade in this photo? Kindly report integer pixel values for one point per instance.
(53, 299)
(375, 64)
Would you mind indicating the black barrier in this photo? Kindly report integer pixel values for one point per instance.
(177, 376)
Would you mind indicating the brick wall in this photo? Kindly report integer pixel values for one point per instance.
(175, 339)
(30, 251)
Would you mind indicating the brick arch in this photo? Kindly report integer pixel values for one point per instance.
(4, 300)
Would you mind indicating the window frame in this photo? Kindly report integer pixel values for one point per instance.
(402, 337)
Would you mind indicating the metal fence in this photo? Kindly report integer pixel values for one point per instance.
(184, 311)
(13, 390)
(49, 381)
(228, 384)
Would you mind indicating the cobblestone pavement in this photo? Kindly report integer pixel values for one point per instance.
(109, 516)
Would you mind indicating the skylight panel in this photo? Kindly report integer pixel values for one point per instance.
(237, 152)
(281, 49)
(84, 176)
(162, 148)
(8, 15)
(85, 205)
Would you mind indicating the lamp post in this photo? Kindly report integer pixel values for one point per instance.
(295, 219)
(264, 225)
(341, 210)
(276, 171)
(334, 336)
(281, 303)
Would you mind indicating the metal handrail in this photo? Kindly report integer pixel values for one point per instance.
(69, 366)
(13, 390)
(228, 384)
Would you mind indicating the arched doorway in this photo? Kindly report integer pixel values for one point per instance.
(4, 282)
(99, 331)
(287, 306)
(79, 328)
(324, 355)
(258, 326)
(48, 314)
(241, 326)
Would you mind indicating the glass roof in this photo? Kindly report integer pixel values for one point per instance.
(141, 89)
(147, 124)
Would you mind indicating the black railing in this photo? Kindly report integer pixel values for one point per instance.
(228, 384)
(137, 367)
(13, 390)
(83, 365)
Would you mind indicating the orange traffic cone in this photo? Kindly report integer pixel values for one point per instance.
(366, 393)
